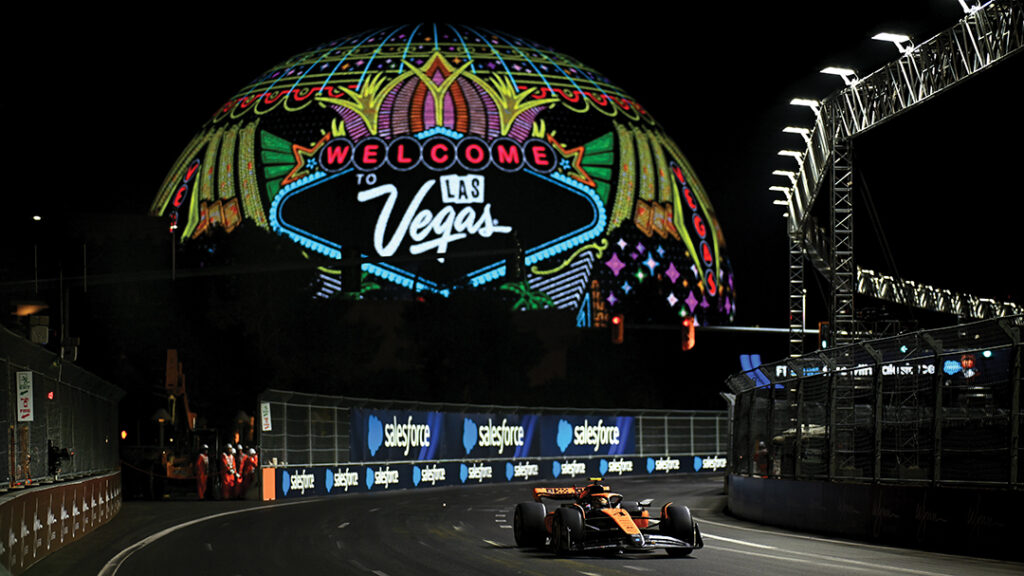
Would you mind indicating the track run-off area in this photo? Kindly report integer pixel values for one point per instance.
(459, 530)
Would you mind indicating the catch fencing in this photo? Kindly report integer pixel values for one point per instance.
(926, 407)
(55, 413)
(317, 430)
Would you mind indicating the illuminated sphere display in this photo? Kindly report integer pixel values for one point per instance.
(444, 159)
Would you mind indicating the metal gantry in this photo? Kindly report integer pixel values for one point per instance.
(841, 261)
(984, 37)
(796, 298)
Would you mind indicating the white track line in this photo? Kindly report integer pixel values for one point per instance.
(114, 564)
(724, 539)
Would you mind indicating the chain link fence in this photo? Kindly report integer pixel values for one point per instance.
(54, 412)
(314, 430)
(935, 406)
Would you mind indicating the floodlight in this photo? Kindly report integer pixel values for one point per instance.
(849, 76)
(968, 9)
(902, 41)
(787, 174)
(803, 132)
(812, 104)
(798, 156)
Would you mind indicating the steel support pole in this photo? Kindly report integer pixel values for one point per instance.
(841, 264)
(796, 295)
(936, 346)
(1015, 376)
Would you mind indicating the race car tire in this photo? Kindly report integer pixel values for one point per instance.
(678, 523)
(528, 525)
(566, 530)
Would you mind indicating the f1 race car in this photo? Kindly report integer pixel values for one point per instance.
(593, 518)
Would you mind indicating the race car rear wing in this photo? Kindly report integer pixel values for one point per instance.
(562, 493)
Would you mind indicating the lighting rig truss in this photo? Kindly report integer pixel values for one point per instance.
(984, 37)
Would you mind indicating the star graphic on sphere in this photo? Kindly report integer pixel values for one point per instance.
(651, 263)
(691, 301)
(615, 264)
(622, 244)
(672, 300)
(611, 298)
(672, 273)
(626, 287)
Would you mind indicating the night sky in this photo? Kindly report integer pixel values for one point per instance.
(101, 111)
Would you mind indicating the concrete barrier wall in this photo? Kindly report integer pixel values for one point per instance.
(42, 520)
(957, 520)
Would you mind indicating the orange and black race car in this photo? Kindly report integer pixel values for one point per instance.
(594, 518)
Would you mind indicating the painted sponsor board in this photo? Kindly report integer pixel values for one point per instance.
(492, 435)
(396, 435)
(587, 435)
(310, 481)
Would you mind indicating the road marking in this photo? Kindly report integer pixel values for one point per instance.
(637, 568)
(114, 564)
(374, 509)
(343, 524)
(504, 526)
(804, 536)
(590, 573)
(380, 573)
(834, 562)
(209, 547)
(493, 543)
(724, 539)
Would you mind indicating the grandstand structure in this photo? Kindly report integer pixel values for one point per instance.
(985, 36)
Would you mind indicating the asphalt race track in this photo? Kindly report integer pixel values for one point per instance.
(463, 530)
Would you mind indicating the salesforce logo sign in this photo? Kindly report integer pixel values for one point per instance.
(381, 477)
(709, 463)
(663, 464)
(338, 479)
(297, 482)
(428, 475)
(568, 468)
(405, 435)
(521, 470)
(564, 437)
(597, 435)
(468, 435)
(492, 435)
(374, 434)
(478, 472)
(615, 466)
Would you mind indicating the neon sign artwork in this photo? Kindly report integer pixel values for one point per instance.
(440, 155)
